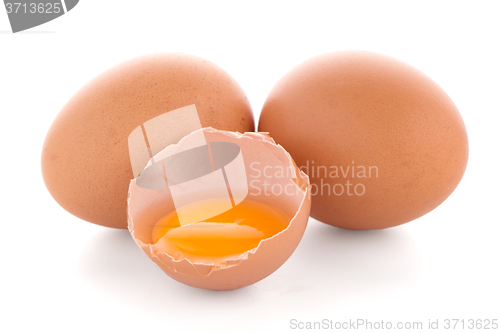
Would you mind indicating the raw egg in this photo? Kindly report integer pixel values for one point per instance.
(85, 159)
(382, 143)
(233, 235)
(232, 232)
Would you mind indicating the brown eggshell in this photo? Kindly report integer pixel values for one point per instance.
(146, 206)
(363, 109)
(85, 159)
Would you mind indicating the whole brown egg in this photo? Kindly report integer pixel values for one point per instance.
(85, 160)
(382, 143)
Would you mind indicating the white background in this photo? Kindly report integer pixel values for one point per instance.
(62, 274)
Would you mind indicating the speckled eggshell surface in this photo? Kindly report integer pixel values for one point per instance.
(353, 112)
(85, 160)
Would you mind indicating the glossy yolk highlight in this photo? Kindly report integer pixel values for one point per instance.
(233, 232)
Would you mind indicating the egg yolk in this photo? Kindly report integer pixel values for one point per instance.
(233, 232)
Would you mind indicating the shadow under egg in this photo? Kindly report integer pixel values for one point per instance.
(113, 263)
(350, 265)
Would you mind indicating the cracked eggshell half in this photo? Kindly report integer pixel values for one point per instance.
(147, 206)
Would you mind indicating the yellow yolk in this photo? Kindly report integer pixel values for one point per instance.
(233, 232)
